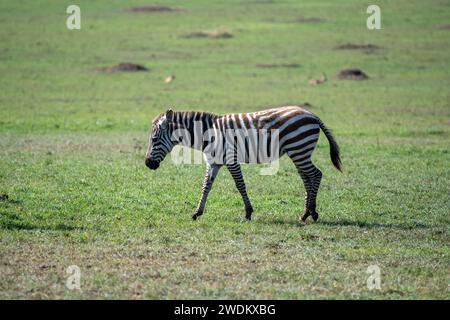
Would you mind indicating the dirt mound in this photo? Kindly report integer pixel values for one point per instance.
(153, 8)
(352, 74)
(123, 67)
(217, 34)
(443, 27)
(312, 20)
(278, 65)
(363, 47)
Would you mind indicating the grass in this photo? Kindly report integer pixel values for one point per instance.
(72, 142)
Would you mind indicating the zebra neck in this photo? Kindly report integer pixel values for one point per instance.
(194, 124)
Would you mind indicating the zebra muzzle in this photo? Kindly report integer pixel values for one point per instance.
(152, 164)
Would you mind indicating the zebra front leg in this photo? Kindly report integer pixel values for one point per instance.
(235, 170)
(211, 173)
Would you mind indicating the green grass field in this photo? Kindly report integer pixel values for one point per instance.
(75, 191)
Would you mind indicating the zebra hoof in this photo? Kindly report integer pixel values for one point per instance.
(309, 212)
(248, 214)
(305, 216)
(195, 215)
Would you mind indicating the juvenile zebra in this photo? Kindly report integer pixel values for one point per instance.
(294, 130)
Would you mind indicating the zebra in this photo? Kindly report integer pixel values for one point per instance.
(298, 132)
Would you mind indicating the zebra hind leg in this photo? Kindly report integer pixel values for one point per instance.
(306, 183)
(314, 176)
(311, 177)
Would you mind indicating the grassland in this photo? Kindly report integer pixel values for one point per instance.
(75, 190)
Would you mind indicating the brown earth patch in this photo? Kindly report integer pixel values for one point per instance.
(443, 27)
(276, 247)
(352, 74)
(216, 34)
(153, 9)
(278, 65)
(123, 67)
(362, 47)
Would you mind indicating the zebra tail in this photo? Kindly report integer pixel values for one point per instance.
(334, 148)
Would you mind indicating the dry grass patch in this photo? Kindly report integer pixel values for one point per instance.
(278, 65)
(367, 48)
(153, 9)
(310, 20)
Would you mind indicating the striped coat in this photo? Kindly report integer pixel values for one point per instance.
(254, 137)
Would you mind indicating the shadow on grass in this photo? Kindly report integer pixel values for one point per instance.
(281, 222)
(12, 221)
(373, 225)
(348, 223)
(21, 226)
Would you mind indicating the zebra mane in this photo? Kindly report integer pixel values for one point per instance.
(191, 114)
(159, 116)
(186, 118)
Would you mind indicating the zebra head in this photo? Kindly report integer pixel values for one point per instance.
(160, 142)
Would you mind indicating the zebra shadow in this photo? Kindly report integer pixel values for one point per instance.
(13, 221)
(372, 225)
(348, 223)
(21, 226)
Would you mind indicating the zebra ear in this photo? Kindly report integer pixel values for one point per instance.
(169, 115)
